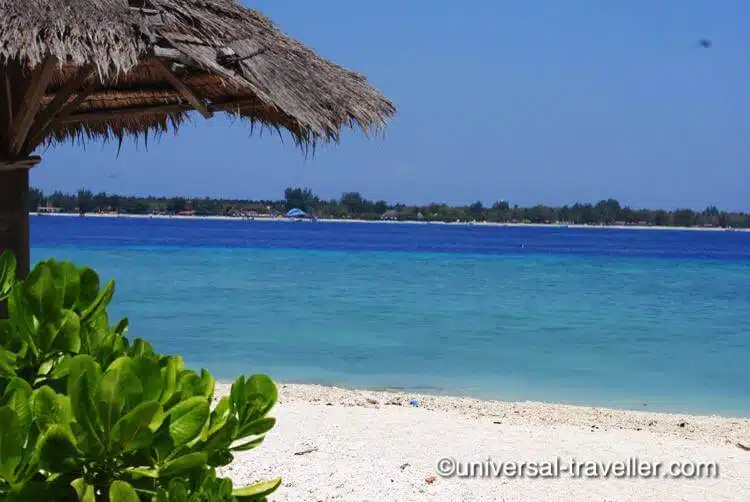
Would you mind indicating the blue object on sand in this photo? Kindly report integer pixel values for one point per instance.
(414, 403)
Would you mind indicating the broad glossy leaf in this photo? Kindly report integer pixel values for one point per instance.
(57, 449)
(44, 298)
(82, 380)
(49, 408)
(7, 363)
(62, 332)
(122, 326)
(148, 371)
(169, 375)
(68, 280)
(135, 429)
(22, 316)
(84, 491)
(258, 396)
(257, 491)
(118, 384)
(223, 437)
(88, 288)
(68, 338)
(120, 491)
(8, 266)
(17, 396)
(12, 437)
(140, 348)
(208, 382)
(100, 302)
(186, 419)
(219, 415)
(248, 445)
(61, 368)
(7, 333)
(183, 464)
(257, 427)
(190, 384)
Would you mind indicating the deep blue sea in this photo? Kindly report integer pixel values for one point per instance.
(641, 319)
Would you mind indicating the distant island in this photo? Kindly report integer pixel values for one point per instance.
(352, 205)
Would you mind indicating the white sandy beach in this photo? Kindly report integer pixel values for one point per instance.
(261, 219)
(351, 445)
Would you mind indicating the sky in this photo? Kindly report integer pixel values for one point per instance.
(530, 101)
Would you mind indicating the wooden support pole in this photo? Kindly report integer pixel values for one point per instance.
(187, 93)
(59, 105)
(32, 101)
(14, 211)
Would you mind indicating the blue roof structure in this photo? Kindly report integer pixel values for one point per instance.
(296, 213)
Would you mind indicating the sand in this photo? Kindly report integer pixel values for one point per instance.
(395, 222)
(352, 445)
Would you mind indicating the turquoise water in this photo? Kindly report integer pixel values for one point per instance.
(662, 325)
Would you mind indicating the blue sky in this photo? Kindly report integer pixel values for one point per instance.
(531, 101)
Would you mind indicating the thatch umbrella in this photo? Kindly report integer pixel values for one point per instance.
(107, 69)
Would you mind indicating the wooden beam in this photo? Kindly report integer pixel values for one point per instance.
(134, 111)
(185, 91)
(173, 54)
(23, 120)
(116, 113)
(58, 104)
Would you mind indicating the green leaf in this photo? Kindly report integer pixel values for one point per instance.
(8, 266)
(253, 398)
(169, 375)
(12, 437)
(118, 384)
(88, 288)
(135, 429)
(62, 332)
(7, 363)
(17, 397)
(57, 449)
(249, 445)
(44, 299)
(68, 338)
(61, 368)
(257, 427)
(49, 408)
(100, 302)
(187, 418)
(148, 371)
(82, 380)
(22, 316)
(122, 326)
(120, 491)
(84, 491)
(68, 280)
(257, 491)
(183, 464)
(208, 383)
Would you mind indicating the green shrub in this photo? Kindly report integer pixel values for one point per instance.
(86, 415)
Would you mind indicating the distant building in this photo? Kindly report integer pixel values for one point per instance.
(391, 214)
(49, 208)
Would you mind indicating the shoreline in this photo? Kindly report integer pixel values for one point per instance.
(731, 428)
(348, 445)
(393, 222)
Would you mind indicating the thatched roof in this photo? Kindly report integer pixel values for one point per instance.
(121, 67)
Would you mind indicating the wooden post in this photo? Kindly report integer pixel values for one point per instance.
(14, 211)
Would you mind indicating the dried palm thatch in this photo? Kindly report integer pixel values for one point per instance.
(110, 68)
(149, 61)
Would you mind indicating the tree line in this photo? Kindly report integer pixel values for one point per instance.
(354, 205)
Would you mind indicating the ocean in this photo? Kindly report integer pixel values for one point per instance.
(635, 319)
